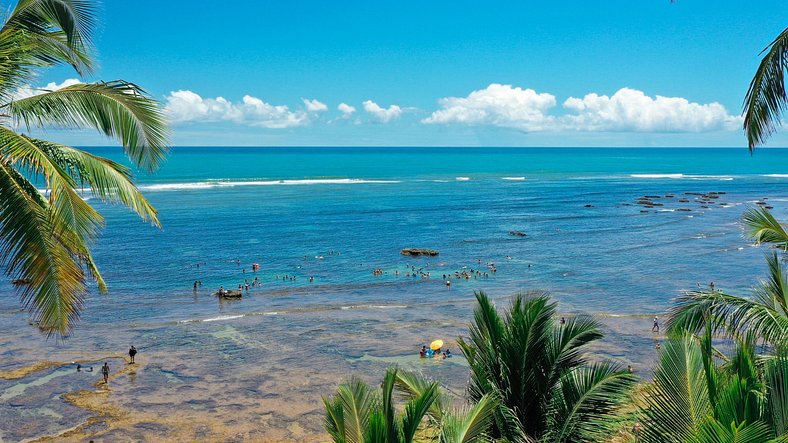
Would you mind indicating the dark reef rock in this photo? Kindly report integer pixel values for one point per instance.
(517, 234)
(416, 252)
(228, 294)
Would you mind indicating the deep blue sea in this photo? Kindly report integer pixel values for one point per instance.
(337, 214)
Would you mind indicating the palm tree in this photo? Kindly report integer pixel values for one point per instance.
(359, 414)
(765, 313)
(45, 238)
(548, 391)
(766, 98)
(695, 399)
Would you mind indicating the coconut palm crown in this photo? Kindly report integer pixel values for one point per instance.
(45, 237)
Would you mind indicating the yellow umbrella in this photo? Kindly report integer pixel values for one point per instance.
(437, 344)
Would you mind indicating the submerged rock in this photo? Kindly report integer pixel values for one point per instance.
(419, 252)
(228, 294)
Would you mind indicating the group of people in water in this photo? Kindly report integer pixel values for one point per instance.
(426, 352)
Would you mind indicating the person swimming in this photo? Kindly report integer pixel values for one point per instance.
(423, 352)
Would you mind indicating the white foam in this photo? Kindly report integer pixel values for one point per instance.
(219, 184)
(684, 176)
(223, 317)
(513, 178)
(462, 179)
(657, 175)
(776, 175)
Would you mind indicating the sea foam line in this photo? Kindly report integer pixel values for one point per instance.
(518, 179)
(684, 176)
(220, 184)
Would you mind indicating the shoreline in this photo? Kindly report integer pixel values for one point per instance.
(109, 416)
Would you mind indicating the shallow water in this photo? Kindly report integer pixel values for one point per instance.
(256, 367)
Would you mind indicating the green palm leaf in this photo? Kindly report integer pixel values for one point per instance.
(349, 412)
(585, 401)
(766, 314)
(31, 252)
(678, 402)
(472, 425)
(61, 225)
(761, 226)
(118, 109)
(766, 98)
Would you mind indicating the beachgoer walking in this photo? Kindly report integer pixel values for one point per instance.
(105, 372)
(132, 353)
(655, 328)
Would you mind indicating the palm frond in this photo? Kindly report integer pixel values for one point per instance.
(761, 227)
(53, 32)
(766, 98)
(411, 386)
(470, 426)
(586, 400)
(118, 109)
(31, 252)
(775, 374)
(349, 412)
(729, 314)
(678, 402)
(416, 410)
(109, 181)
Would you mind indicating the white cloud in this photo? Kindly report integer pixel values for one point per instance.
(187, 106)
(385, 115)
(346, 110)
(315, 105)
(630, 110)
(498, 105)
(29, 91)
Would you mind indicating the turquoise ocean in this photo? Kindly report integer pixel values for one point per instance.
(337, 214)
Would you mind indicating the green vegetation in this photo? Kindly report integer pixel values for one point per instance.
(538, 369)
(358, 414)
(765, 314)
(701, 395)
(45, 238)
(532, 380)
(766, 98)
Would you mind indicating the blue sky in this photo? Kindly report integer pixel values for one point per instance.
(523, 73)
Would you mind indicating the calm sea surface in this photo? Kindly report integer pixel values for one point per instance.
(336, 214)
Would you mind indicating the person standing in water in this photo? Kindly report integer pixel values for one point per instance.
(132, 353)
(105, 372)
(655, 328)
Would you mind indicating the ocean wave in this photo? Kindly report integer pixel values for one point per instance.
(684, 176)
(221, 184)
(513, 178)
(223, 317)
(776, 175)
(657, 175)
(462, 179)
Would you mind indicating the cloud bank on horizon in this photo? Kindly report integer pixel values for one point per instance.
(504, 106)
